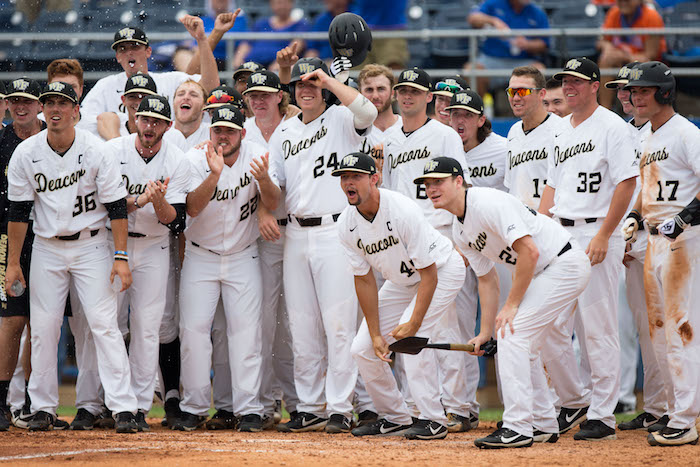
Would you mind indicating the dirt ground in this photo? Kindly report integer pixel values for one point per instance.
(165, 447)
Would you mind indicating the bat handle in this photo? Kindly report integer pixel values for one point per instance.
(463, 347)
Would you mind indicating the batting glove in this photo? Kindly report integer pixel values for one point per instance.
(672, 228)
(630, 226)
(339, 68)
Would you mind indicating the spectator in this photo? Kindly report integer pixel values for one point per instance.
(33, 8)
(217, 8)
(508, 53)
(322, 48)
(387, 15)
(3, 104)
(281, 20)
(615, 51)
(182, 58)
(554, 100)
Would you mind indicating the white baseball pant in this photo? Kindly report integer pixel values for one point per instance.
(527, 399)
(222, 394)
(88, 387)
(671, 279)
(396, 305)
(322, 307)
(169, 325)
(628, 345)
(206, 276)
(87, 264)
(16, 392)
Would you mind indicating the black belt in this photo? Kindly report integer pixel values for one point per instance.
(76, 235)
(571, 223)
(210, 251)
(282, 222)
(653, 230)
(566, 248)
(133, 234)
(314, 221)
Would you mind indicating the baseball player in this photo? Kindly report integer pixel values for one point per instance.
(591, 179)
(72, 182)
(549, 271)
(382, 230)
(553, 99)
(23, 97)
(318, 286)
(241, 74)
(223, 95)
(3, 104)
(228, 180)
(669, 203)
(188, 105)
(133, 50)
(444, 89)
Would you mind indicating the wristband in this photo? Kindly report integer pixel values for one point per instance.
(121, 252)
(136, 202)
(634, 214)
(120, 258)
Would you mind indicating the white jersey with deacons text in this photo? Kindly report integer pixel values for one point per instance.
(587, 164)
(487, 162)
(136, 172)
(373, 144)
(304, 155)
(493, 221)
(69, 191)
(397, 242)
(670, 168)
(405, 157)
(527, 161)
(228, 224)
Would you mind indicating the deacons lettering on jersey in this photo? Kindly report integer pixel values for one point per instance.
(405, 158)
(670, 168)
(304, 157)
(169, 162)
(173, 136)
(374, 143)
(588, 163)
(494, 220)
(229, 223)
(396, 243)
(69, 191)
(487, 162)
(254, 135)
(527, 161)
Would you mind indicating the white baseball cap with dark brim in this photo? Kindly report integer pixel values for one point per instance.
(156, 107)
(622, 76)
(227, 116)
(439, 167)
(263, 80)
(23, 87)
(357, 162)
(467, 100)
(415, 78)
(580, 68)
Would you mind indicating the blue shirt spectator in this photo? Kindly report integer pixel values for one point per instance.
(265, 52)
(241, 25)
(322, 23)
(381, 15)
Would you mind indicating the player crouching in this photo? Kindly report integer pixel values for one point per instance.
(550, 271)
(386, 230)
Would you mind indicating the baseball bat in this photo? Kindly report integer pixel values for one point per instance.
(413, 345)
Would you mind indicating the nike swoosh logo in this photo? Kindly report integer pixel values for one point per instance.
(163, 247)
(557, 136)
(384, 431)
(677, 248)
(208, 170)
(674, 435)
(508, 440)
(435, 430)
(305, 422)
(353, 229)
(35, 161)
(283, 129)
(570, 419)
(254, 257)
(647, 424)
(122, 163)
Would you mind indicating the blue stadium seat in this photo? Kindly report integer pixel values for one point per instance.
(418, 49)
(450, 52)
(56, 22)
(684, 50)
(575, 16)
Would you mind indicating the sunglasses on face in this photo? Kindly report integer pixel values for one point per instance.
(522, 92)
(443, 86)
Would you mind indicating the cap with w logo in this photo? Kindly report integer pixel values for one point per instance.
(140, 83)
(23, 87)
(356, 162)
(264, 80)
(467, 100)
(61, 89)
(154, 106)
(416, 78)
(228, 116)
(580, 68)
(440, 167)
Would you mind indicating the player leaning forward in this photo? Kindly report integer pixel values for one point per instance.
(549, 269)
(228, 178)
(72, 182)
(669, 203)
(386, 231)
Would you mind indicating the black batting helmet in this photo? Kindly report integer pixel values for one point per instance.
(350, 37)
(654, 74)
(308, 65)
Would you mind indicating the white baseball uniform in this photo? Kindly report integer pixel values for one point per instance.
(670, 173)
(200, 135)
(487, 162)
(374, 142)
(221, 242)
(493, 222)
(69, 193)
(587, 164)
(398, 242)
(318, 284)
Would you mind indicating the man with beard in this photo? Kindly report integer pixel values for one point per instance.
(228, 179)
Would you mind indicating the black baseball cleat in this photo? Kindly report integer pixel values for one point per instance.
(83, 420)
(125, 422)
(105, 419)
(459, 424)
(595, 430)
(21, 417)
(268, 422)
(251, 423)
(641, 422)
(5, 418)
(41, 421)
(381, 427)
(338, 423)
(303, 422)
(366, 417)
(59, 424)
(172, 411)
(503, 438)
(426, 430)
(569, 418)
(673, 437)
(222, 420)
(141, 423)
(544, 437)
(188, 422)
(659, 425)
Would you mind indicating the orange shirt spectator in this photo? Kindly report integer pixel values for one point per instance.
(642, 17)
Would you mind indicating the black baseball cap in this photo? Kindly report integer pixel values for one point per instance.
(155, 106)
(223, 95)
(448, 86)
(440, 167)
(414, 77)
(59, 88)
(580, 68)
(248, 67)
(356, 162)
(140, 83)
(23, 87)
(228, 116)
(623, 76)
(2, 90)
(263, 80)
(130, 35)
(467, 100)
